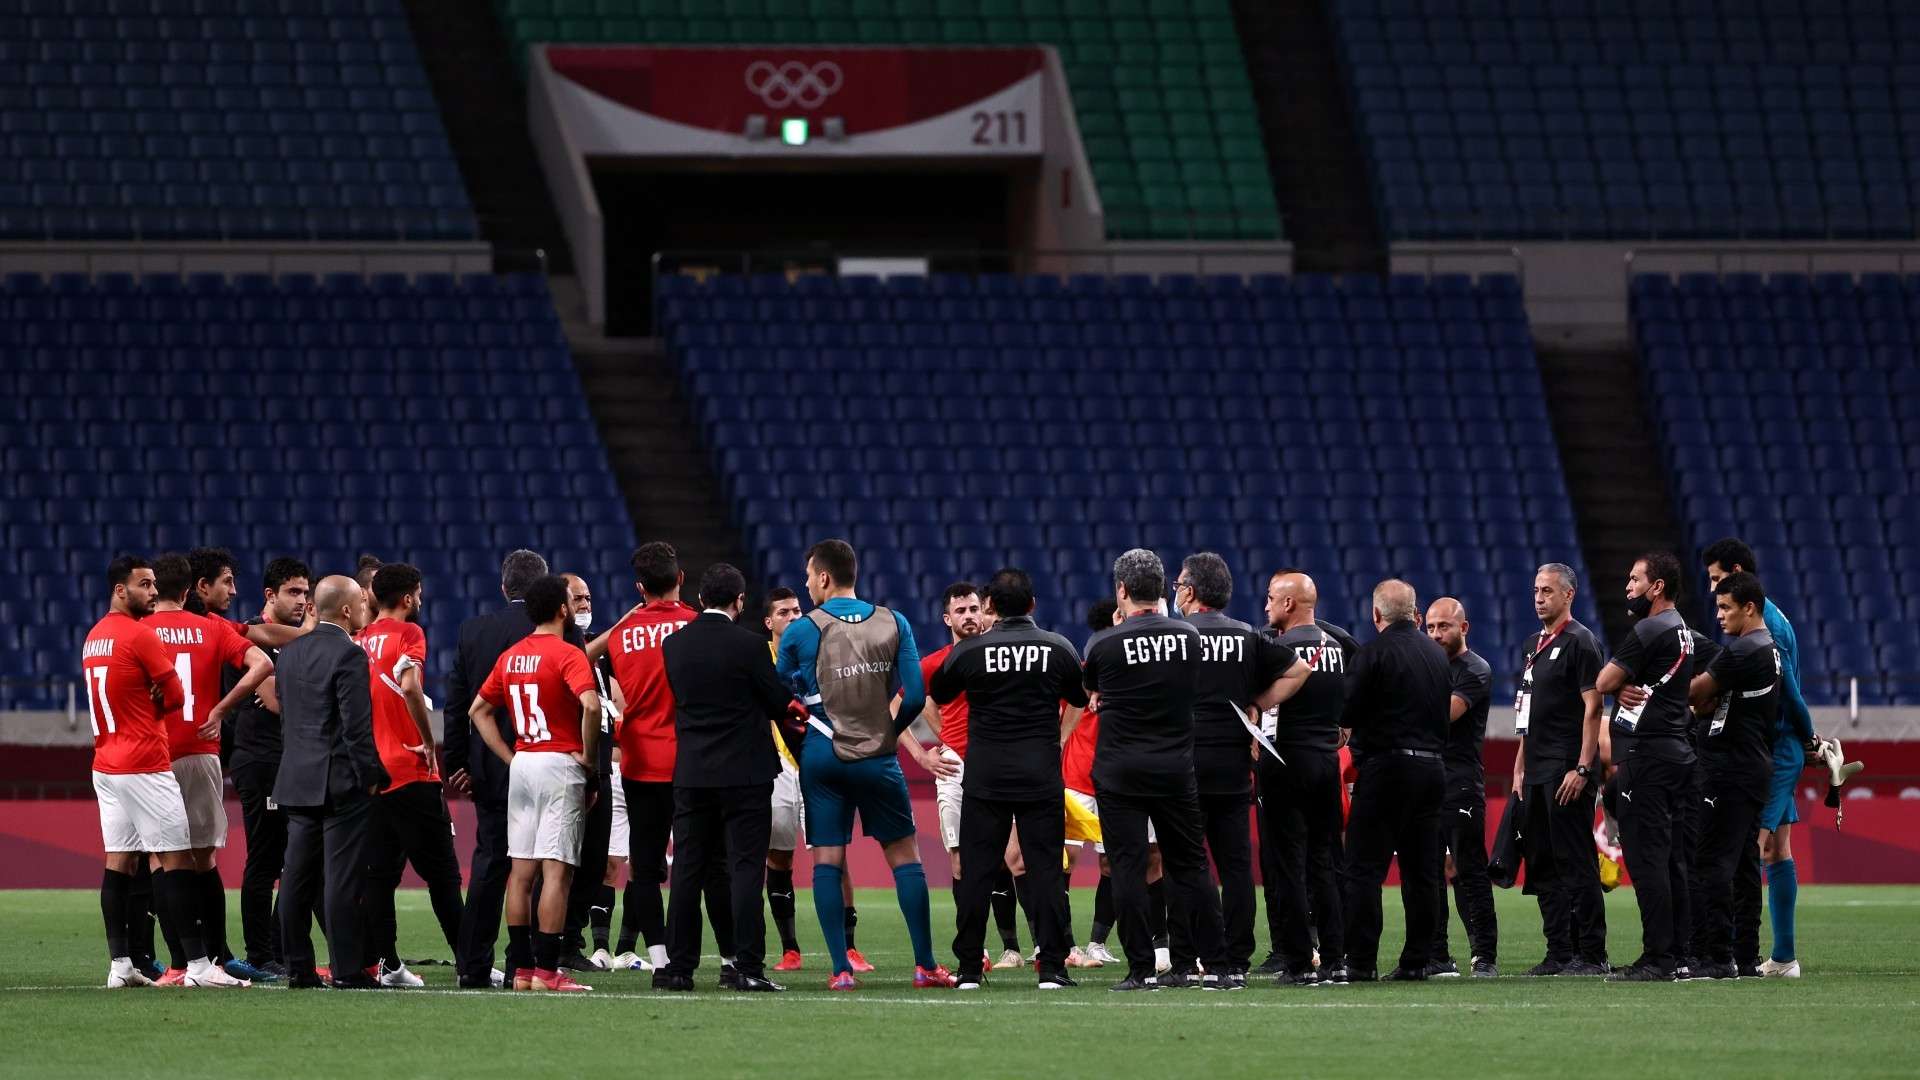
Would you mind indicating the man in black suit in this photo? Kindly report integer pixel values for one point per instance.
(329, 773)
(725, 692)
(471, 768)
(1398, 709)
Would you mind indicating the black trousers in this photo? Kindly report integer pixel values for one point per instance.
(411, 824)
(1301, 820)
(266, 830)
(1650, 791)
(1729, 820)
(984, 826)
(1563, 872)
(594, 840)
(1463, 831)
(1747, 903)
(486, 892)
(724, 827)
(1269, 861)
(326, 843)
(1224, 821)
(1396, 810)
(1183, 864)
(1689, 818)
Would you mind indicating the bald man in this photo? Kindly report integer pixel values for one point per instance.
(1397, 710)
(329, 773)
(1463, 815)
(1300, 812)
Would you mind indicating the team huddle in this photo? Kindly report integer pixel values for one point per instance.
(682, 747)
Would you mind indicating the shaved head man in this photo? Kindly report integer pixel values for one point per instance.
(329, 772)
(340, 599)
(1300, 796)
(1463, 811)
(1397, 710)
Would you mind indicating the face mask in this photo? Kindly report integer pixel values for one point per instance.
(583, 619)
(1639, 606)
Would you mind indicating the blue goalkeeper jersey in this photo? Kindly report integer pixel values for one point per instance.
(1796, 723)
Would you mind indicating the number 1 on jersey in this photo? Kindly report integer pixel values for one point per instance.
(183, 667)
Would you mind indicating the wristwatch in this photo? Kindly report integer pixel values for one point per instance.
(1584, 772)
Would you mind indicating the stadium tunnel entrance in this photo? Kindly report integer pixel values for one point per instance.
(736, 217)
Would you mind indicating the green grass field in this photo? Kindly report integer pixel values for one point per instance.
(1856, 1013)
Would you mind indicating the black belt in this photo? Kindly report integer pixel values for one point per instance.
(1424, 754)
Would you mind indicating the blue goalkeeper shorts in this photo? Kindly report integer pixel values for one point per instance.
(1789, 760)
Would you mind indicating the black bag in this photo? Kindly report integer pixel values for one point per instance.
(1503, 864)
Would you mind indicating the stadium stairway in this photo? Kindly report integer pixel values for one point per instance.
(654, 449)
(1313, 144)
(1610, 453)
(469, 62)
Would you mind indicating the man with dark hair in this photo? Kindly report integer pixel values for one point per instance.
(130, 680)
(213, 588)
(255, 764)
(201, 647)
(410, 821)
(1302, 812)
(1790, 743)
(483, 639)
(782, 608)
(1653, 757)
(1079, 740)
(846, 659)
(1143, 676)
(547, 684)
(724, 689)
(647, 748)
(1397, 711)
(1463, 832)
(962, 612)
(1015, 678)
(1556, 714)
(1237, 666)
(1739, 695)
(363, 570)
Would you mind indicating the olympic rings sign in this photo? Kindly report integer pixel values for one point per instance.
(793, 83)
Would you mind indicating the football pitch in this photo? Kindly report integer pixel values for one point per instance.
(1855, 1013)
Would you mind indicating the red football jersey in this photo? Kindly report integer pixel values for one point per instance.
(1076, 757)
(200, 645)
(646, 730)
(121, 662)
(953, 715)
(540, 681)
(390, 644)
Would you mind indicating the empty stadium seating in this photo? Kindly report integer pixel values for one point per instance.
(1789, 409)
(1589, 118)
(950, 424)
(436, 421)
(174, 119)
(1159, 86)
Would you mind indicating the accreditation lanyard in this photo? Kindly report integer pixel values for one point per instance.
(1629, 718)
(1523, 701)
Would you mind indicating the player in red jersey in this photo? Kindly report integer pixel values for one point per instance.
(961, 610)
(548, 686)
(410, 822)
(647, 747)
(212, 594)
(201, 648)
(130, 681)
